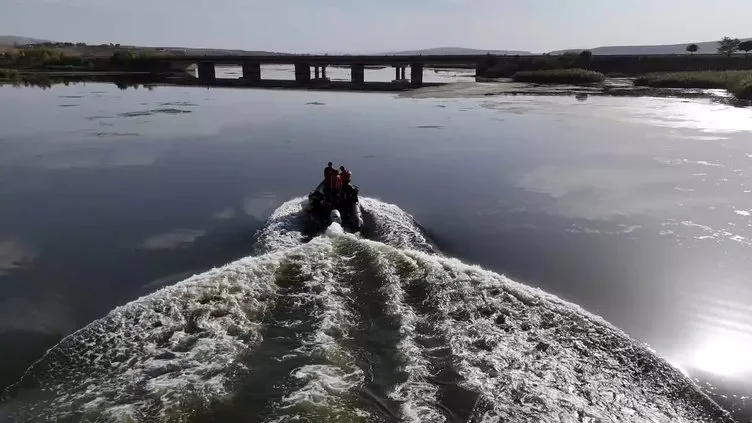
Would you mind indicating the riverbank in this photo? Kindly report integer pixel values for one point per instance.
(482, 87)
(611, 87)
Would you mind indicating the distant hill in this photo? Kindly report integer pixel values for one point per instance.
(12, 39)
(707, 47)
(208, 51)
(106, 49)
(456, 51)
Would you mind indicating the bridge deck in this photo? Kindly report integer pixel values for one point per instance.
(327, 59)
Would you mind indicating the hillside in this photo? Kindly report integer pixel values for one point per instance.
(7, 42)
(707, 47)
(12, 39)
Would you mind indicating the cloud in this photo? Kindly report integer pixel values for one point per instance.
(47, 315)
(608, 192)
(178, 238)
(226, 214)
(14, 255)
(260, 206)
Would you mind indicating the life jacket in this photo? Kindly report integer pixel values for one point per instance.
(329, 174)
(346, 175)
(337, 182)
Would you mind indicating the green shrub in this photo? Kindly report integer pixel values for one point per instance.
(738, 83)
(702, 79)
(559, 76)
(742, 87)
(9, 74)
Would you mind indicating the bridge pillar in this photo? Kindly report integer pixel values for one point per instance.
(323, 71)
(316, 72)
(397, 73)
(206, 71)
(302, 72)
(357, 73)
(480, 69)
(252, 71)
(416, 74)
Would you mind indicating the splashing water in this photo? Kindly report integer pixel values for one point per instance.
(347, 329)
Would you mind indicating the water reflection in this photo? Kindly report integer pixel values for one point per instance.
(724, 353)
(14, 255)
(45, 82)
(178, 238)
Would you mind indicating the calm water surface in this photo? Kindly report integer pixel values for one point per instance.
(637, 209)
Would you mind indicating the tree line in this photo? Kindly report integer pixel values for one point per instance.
(47, 58)
(727, 46)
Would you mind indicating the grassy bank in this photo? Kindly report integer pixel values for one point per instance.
(742, 87)
(737, 82)
(559, 76)
(9, 74)
(705, 79)
(35, 59)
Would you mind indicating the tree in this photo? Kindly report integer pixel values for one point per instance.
(586, 55)
(745, 46)
(692, 49)
(728, 45)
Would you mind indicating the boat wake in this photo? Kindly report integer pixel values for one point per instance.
(342, 328)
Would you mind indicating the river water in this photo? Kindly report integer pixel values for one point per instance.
(637, 210)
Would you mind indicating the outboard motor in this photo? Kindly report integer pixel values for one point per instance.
(335, 217)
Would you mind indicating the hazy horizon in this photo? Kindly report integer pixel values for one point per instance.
(345, 26)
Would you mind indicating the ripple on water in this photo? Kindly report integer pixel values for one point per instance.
(115, 134)
(168, 111)
(179, 103)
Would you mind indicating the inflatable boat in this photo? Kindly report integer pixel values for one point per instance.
(327, 206)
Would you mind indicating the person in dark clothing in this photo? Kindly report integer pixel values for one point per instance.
(330, 183)
(346, 176)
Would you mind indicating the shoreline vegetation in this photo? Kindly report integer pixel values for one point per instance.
(738, 83)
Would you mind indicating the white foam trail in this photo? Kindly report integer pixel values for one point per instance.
(395, 227)
(534, 357)
(526, 355)
(334, 229)
(284, 228)
(416, 395)
(327, 385)
(156, 356)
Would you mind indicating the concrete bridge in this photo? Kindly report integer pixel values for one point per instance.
(305, 64)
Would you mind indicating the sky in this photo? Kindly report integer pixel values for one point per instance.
(369, 26)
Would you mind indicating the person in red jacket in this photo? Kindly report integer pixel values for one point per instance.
(329, 172)
(345, 174)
